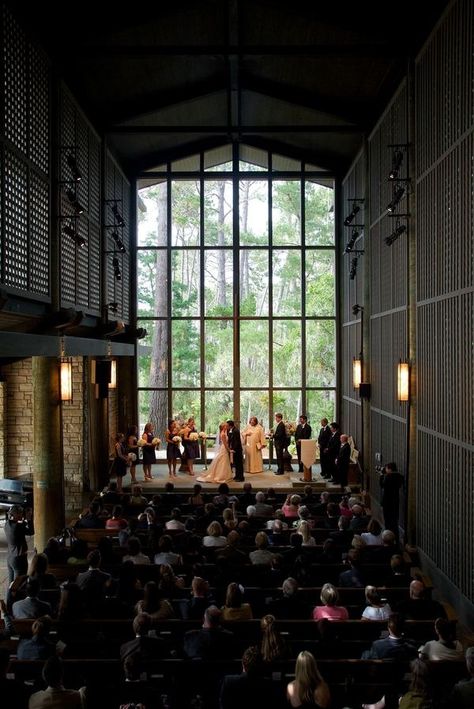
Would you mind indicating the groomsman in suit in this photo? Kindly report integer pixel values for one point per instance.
(323, 440)
(303, 431)
(280, 443)
(342, 462)
(332, 448)
(235, 446)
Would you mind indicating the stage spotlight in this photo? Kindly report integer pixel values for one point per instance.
(353, 271)
(118, 217)
(399, 230)
(351, 243)
(72, 164)
(397, 196)
(70, 194)
(69, 230)
(113, 306)
(140, 333)
(396, 165)
(117, 271)
(356, 309)
(350, 217)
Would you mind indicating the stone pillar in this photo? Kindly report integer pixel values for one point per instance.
(99, 436)
(47, 459)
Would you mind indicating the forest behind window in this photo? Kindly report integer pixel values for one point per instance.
(236, 290)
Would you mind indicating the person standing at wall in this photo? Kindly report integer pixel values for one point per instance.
(391, 482)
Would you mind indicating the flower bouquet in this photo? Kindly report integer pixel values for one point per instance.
(194, 436)
(141, 442)
(176, 439)
(156, 442)
(132, 457)
(290, 428)
(203, 435)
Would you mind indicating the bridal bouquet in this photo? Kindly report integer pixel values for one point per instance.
(176, 439)
(203, 435)
(132, 457)
(194, 436)
(156, 442)
(290, 428)
(141, 442)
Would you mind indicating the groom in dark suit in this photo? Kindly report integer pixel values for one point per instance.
(280, 441)
(235, 446)
(303, 431)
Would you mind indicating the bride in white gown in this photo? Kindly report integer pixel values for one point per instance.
(219, 470)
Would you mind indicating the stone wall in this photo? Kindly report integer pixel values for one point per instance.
(18, 429)
(3, 450)
(73, 440)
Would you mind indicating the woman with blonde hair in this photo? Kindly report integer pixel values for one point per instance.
(190, 443)
(272, 647)
(219, 470)
(377, 608)
(330, 610)
(214, 536)
(308, 689)
(304, 530)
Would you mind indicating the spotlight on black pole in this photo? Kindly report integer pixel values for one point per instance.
(352, 241)
(353, 271)
(72, 164)
(398, 231)
(117, 271)
(350, 217)
(397, 196)
(119, 220)
(397, 160)
(69, 231)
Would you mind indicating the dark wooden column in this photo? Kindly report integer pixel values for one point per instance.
(47, 447)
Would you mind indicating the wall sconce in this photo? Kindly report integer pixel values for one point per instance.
(403, 381)
(65, 378)
(113, 374)
(356, 372)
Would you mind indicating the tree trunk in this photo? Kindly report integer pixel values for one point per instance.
(159, 350)
(244, 254)
(221, 294)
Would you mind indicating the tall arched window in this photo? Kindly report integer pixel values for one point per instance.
(236, 289)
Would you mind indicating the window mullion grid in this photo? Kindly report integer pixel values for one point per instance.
(236, 278)
(270, 297)
(303, 294)
(169, 291)
(201, 297)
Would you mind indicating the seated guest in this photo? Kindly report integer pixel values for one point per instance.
(418, 696)
(359, 519)
(39, 646)
(277, 536)
(175, 522)
(250, 689)
(110, 495)
(170, 585)
(288, 606)
(143, 646)
(383, 554)
(234, 608)
(377, 608)
(309, 499)
(354, 577)
(116, 521)
(332, 516)
(261, 555)
(222, 499)
(154, 603)
(254, 522)
(321, 506)
(393, 647)
(38, 569)
(344, 507)
(462, 696)
(360, 546)
(330, 610)
(214, 537)
(446, 647)
(308, 688)
(55, 695)
(91, 519)
(129, 531)
(209, 514)
(135, 554)
(212, 642)
(93, 581)
(278, 515)
(291, 505)
(165, 554)
(196, 499)
(71, 602)
(231, 554)
(247, 497)
(418, 606)
(330, 554)
(54, 551)
(373, 535)
(13, 693)
(136, 498)
(229, 518)
(399, 574)
(78, 553)
(194, 608)
(272, 647)
(262, 509)
(31, 606)
(342, 536)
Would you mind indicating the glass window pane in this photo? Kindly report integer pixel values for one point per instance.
(218, 280)
(186, 404)
(319, 215)
(321, 353)
(253, 217)
(254, 403)
(320, 404)
(185, 213)
(286, 282)
(185, 353)
(250, 167)
(185, 282)
(286, 339)
(254, 353)
(152, 216)
(152, 282)
(320, 283)
(253, 282)
(218, 213)
(286, 212)
(152, 351)
(218, 343)
(287, 403)
(219, 407)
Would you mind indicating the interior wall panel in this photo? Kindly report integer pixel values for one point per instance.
(444, 96)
